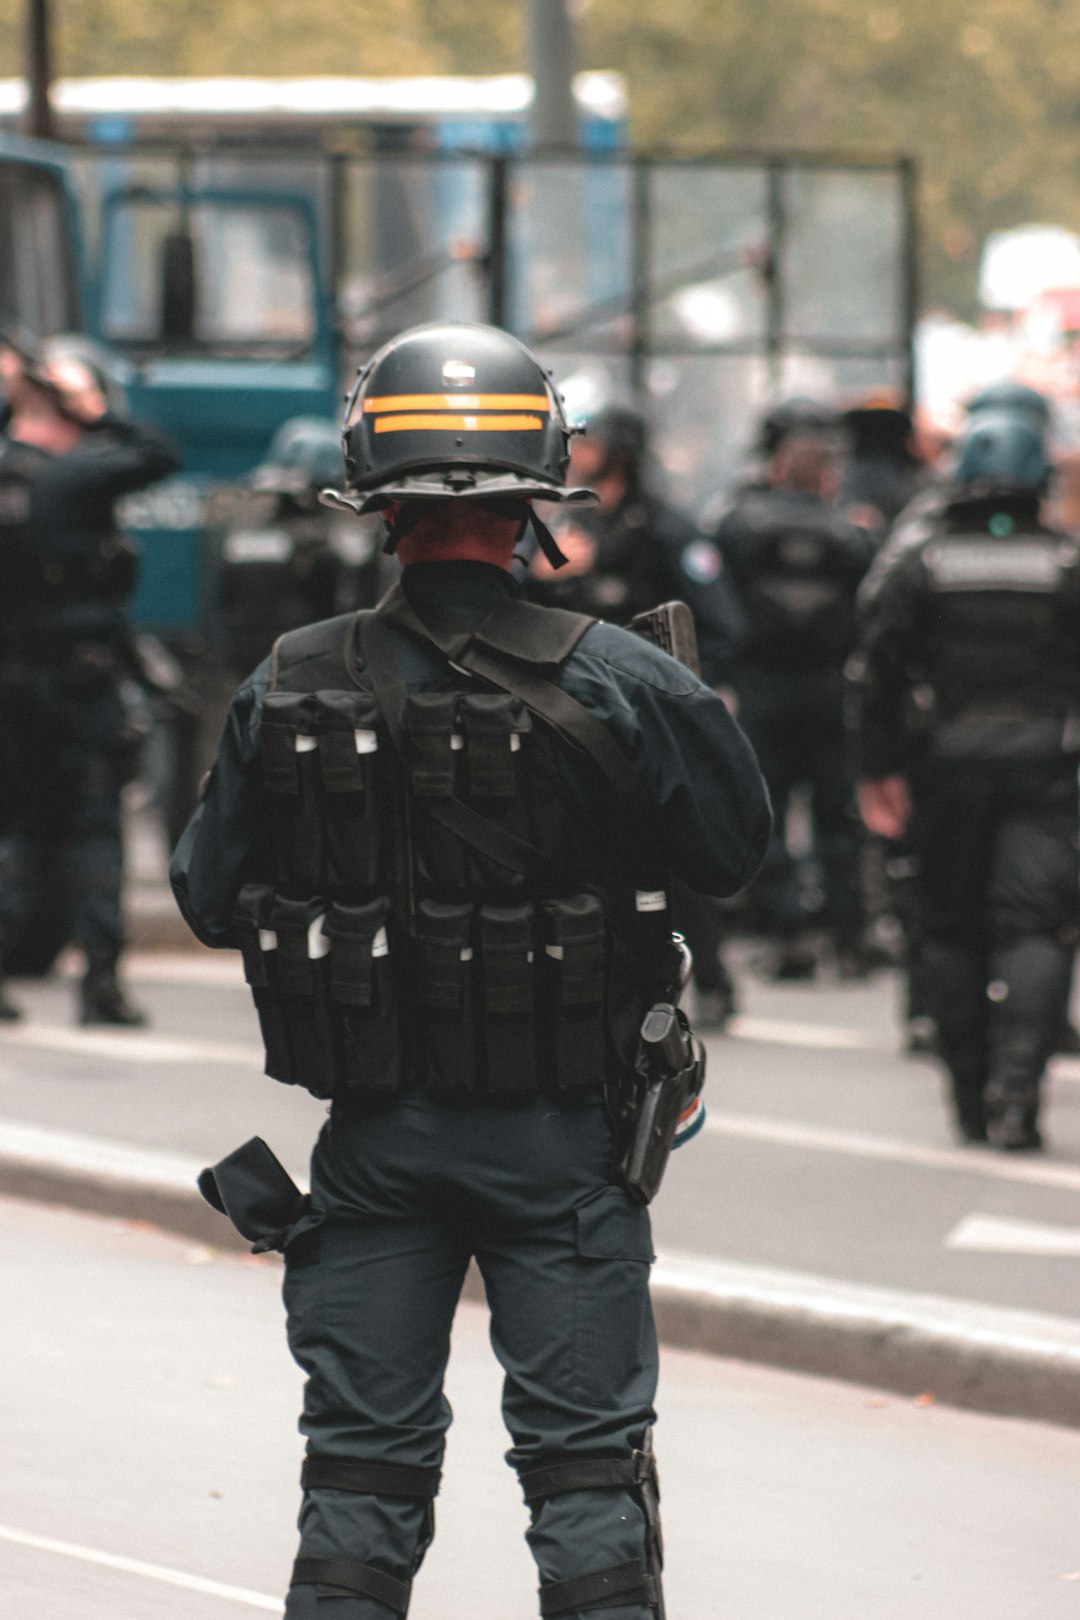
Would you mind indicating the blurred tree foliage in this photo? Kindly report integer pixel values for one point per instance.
(988, 97)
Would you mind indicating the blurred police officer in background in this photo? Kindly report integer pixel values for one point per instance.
(882, 471)
(795, 565)
(965, 701)
(441, 835)
(288, 560)
(625, 556)
(71, 732)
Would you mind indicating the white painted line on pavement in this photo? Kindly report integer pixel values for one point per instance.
(991, 1234)
(136, 1566)
(970, 1161)
(42, 1147)
(1030, 1333)
(129, 1046)
(784, 1032)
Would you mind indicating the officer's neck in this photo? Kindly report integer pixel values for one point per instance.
(45, 429)
(460, 533)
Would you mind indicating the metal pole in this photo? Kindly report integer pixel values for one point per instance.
(498, 198)
(38, 118)
(910, 313)
(554, 119)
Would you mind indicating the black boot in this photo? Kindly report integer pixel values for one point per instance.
(101, 998)
(1013, 1118)
(967, 1083)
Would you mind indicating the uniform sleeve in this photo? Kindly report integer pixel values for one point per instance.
(877, 676)
(691, 756)
(120, 456)
(225, 844)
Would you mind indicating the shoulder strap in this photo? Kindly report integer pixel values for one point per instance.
(313, 656)
(492, 652)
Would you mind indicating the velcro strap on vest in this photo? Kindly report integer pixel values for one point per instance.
(251, 914)
(506, 944)
(349, 1578)
(625, 1583)
(370, 1478)
(352, 930)
(591, 1474)
(490, 720)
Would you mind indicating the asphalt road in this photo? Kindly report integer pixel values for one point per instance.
(826, 1152)
(151, 1461)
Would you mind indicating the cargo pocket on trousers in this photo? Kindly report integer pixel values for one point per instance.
(614, 1337)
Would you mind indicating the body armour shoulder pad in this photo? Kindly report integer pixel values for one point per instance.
(312, 656)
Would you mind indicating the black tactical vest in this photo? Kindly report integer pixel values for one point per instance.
(799, 589)
(1000, 627)
(453, 906)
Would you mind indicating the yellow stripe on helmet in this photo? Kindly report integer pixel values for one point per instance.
(458, 424)
(457, 402)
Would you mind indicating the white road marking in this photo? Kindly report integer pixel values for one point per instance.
(129, 1046)
(136, 1566)
(991, 1234)
(1050, 1339)
(825, 1139)
(785, 1032)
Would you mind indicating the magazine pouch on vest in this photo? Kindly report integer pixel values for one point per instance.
(288, 750)
(571, 976)
(508, 1021)
(445, 992)
(258, 946)
(303, 984)
(363, 1000)
(346, 732)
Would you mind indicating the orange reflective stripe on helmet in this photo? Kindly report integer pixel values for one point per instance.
(457, 402)
(458, 424)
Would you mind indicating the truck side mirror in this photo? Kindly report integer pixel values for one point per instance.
(178, 287)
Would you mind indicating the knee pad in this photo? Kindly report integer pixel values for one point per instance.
(348, 1577)
(625, 1583)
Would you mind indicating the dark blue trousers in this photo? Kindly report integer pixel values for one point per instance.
(409, 1196)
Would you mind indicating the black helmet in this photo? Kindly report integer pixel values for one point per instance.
(448, 411)
(791, 416)
(1013, 399)
(303, 457)
(1002, 452)
(73, 346)
(621, 430)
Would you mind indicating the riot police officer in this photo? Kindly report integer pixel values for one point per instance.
(440, 832)
(796, 565)
(287, 560)
(626, 555)
(966, 706)
(71, 729)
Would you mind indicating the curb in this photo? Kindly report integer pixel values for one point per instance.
(985, 1358)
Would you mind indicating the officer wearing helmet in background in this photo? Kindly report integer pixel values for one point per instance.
(796, 565)
(965, 707)
(290, 560)
(625, 556)
(882, 472)
(71, 736)
(440, 832)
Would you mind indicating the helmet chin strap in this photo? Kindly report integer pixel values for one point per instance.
(408, 517)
